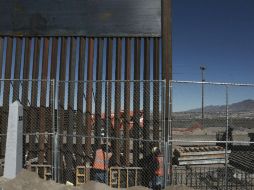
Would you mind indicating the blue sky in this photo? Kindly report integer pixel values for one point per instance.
(215, 33)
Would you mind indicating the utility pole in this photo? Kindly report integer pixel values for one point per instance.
(202, 68)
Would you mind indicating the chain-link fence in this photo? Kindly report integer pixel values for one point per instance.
(107, 131)
(212, 135)
(37, 99)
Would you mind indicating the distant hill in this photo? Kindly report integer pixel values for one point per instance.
(243, 106)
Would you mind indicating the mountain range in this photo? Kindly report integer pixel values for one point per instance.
(243, 106)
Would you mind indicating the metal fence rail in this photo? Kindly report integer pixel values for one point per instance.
(66, 122)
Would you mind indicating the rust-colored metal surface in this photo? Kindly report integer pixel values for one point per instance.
(156, 89)
(6, 92)
(54, 51)
(61, 101)
(17, 69)
(34, 95)
(146, 97)
(98, 94)
(116, 142)
(136, 102)
(126, 119)
(80, 95)
(89, 89)
(71, 118)
(109, 59)
(102, 18)
(43, 110)
(1, 56)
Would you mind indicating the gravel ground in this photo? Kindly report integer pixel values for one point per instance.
(27, 180)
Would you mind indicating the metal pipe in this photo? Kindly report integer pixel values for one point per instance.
(146, 97)
(69, 144)
(88, 113)
(156, 85)
(34, 95)
(167, 69)
(80, 120)
(136, 102)
(54, 127)
(17, 69)
(43, 105)
(202, 68)
(6, 92)
(108, 102)
(98, 96)
(226, 149)
(117, 123)
(126, 120)
(1, 58)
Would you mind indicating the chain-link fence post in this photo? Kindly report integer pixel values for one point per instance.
(166, 142)
(55, 133)
(226, 149)
(107, 136)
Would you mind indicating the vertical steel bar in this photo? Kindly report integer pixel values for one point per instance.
(17, 69)
(80, 127)
(1, 66)
(34, 90)
(117, 122)
(69, 153)
(6, 92)
(28, 42)
(52, 126)
(89, 89)
(54, 58)
(156, 98)
(1, 58)
(108, 102)
(98, 96)
(24, 97)
(167, 71)
(43, 109)
(136, 102)
(127, 101)
(61, 100)
(146, 97)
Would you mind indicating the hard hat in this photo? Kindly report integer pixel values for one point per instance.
(155, 149)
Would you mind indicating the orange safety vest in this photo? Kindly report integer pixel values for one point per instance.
(160, 170)
(100, 160)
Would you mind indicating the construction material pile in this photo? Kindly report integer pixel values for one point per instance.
(199, 155)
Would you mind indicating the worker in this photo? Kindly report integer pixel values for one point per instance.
(100, 166)
(156, 182)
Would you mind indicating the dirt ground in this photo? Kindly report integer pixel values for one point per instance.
(27, 180)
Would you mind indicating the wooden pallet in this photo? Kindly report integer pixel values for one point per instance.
(115, 176)
(47, 170)
(82, 175)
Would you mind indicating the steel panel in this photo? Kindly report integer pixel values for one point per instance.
(80, 17)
